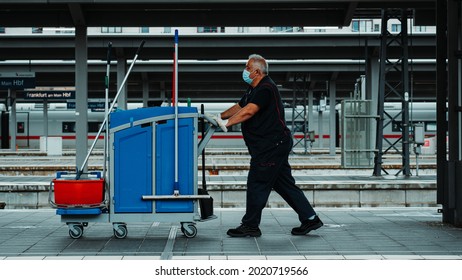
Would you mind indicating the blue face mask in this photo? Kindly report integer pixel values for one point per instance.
(246, 77)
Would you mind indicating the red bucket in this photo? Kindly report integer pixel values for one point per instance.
(78, 192)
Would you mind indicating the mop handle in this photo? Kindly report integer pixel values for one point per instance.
(176, 185)
(204, 186)
(79, 171)
(106, 101)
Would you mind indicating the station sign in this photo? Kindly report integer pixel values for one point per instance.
(95, 106)
(49, 93)
(17, 80)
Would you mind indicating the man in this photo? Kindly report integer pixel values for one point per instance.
(269, 143)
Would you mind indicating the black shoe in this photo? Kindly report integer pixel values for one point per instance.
(243, 231)
(308, 226)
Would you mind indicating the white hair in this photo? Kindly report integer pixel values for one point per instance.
(260, 63)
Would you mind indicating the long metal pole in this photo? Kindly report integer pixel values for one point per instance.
(79, 171)
(106, 108)
(176, 187)
(204, 183)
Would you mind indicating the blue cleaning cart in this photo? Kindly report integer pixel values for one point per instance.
(140, 186)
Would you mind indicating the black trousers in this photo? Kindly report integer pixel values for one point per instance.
(272, 170)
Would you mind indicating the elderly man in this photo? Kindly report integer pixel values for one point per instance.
(269, 143)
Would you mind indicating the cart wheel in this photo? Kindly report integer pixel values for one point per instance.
(189, 230)
(76, 231)
(121, 231)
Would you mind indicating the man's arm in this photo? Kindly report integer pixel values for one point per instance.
(243, 114)
(231, 111)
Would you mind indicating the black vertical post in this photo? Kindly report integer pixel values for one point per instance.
(441, 98)
(5, 131)
(454, 188)
(204, 183)
(381, 101)
(390, 87)
(405, 93)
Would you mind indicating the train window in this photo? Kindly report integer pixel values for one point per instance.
(68, 127)
(20, 127)
(430, 126)
(94, 126)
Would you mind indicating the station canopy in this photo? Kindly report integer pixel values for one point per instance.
(210, 64)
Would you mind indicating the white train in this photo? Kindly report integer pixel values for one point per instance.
(61, 122)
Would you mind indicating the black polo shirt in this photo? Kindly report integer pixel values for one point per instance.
(268, 126)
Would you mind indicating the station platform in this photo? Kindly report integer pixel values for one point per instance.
(384, 233)
(25, 178)
(365, 217)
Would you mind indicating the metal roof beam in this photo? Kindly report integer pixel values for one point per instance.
(349, 13)
(47, 13)
(211, 46)
(77, 14)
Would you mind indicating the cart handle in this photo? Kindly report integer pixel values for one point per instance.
(208, 134)
(60, 174)
(50, 193)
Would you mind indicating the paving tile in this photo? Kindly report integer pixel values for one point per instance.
(397, 233)
(109, 258)
(249, 257)
(325, 257)
(218, 257)
(206, 257)
(141, 258)
(24, 258)
(68, 258)
(442, 257)
(403, 257)
(285, 257)
(363, 257)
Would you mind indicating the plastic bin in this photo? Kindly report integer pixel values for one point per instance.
(78, 192)
(144, 159)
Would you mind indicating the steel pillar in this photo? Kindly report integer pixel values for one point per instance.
(13, 118)
(81, 94)
(121, 71)
(389, 88)
(452, 188)
(299, 112)
(441, 98)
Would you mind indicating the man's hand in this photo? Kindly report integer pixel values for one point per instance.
(210, 116)
(221, 123)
